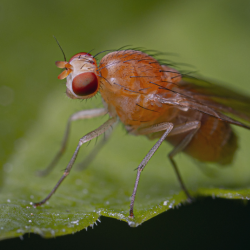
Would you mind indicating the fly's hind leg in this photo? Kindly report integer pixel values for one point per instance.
(84, 114)
(193, 127)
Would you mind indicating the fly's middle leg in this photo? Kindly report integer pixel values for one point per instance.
(167, 127)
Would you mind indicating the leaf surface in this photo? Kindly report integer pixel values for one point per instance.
(105, 187)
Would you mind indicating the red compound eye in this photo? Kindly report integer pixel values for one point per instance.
(85, 84)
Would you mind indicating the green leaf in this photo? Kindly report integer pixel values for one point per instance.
(105, 187)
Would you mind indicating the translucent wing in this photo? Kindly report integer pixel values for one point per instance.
(214, 100)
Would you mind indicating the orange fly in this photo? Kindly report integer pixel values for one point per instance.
(156, 101)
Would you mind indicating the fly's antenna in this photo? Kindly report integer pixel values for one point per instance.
(60, 48)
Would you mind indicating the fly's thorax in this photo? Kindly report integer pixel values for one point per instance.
(172, 75)
(132, 83)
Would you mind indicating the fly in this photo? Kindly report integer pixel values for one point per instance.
(156, 101)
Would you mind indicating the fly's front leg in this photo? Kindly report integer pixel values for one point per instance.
(156, 128)
(84, 114)
(193, 127)
(89, 158)
(83, 140)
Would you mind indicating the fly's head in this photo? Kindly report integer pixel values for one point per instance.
(81, 74)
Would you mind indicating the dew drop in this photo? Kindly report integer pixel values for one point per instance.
(75, 222)
(131, 223)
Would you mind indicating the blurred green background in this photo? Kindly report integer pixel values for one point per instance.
(213, 36)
